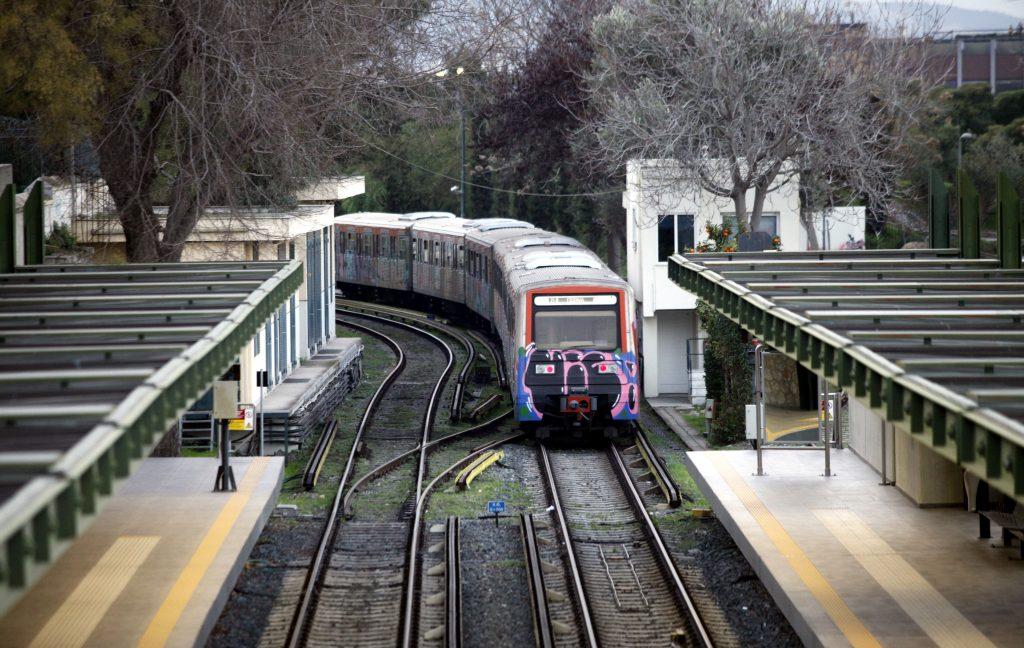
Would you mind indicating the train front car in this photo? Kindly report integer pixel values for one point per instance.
(576, 365)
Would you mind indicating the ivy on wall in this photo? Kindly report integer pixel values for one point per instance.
(728, 375)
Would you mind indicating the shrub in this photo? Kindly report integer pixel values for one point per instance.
(1008, 106)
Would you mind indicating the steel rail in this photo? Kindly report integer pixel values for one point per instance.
(460, 384)
(661, 551)
(575, 574)
(453, 586)
(311, 474)
(499, 360)
(543, 632)
(658, 470)
(409, 613)
(300, 620)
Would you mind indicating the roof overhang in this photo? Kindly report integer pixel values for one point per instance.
(931, 342)
(96, 363)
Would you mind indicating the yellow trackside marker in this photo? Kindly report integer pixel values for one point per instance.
(483, 463)
(162, 624)
(85, 607)
(922, 602)
(848, 623)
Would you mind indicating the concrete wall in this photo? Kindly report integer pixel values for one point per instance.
(924, 476)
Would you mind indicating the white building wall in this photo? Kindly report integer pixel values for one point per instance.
(649, 196)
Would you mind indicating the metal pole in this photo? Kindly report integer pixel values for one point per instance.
(462, 158)
(225, 476)
(837, 428)
(260, 447)
(823, 422)
(758, 402)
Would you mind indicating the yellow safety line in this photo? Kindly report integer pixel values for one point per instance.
(772, 435)
(923, 603)
(163, 622)
(76, 618)
(848, 623)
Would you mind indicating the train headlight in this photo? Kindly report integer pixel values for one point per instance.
(607, 368)
(548, 369)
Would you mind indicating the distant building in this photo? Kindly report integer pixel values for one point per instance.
(663, 219)
(995, 58)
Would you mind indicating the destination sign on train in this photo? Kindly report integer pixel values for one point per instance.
(574, 300)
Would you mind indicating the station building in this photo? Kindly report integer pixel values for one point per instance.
(301, 329)
(884, 539)
(664, 218)
(98, 363)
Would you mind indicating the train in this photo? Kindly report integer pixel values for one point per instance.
(566, 323)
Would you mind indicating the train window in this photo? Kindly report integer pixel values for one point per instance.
(437, 253)
(376, 245)
(394, 246)
(458, 256)
(426, 251)
(401, 247)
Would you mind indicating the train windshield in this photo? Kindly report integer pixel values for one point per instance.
(576, 329)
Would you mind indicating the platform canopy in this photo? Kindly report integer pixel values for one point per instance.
(96, 364)
(931, 342)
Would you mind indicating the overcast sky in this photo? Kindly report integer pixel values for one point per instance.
(1013, 7)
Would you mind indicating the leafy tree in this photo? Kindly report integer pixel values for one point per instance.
(228, 102)
(1008, 106)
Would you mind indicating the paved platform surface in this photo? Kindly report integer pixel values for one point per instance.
(306, 381)
(850, 562)
(158, 563)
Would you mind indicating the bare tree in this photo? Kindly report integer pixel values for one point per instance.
(745, 94)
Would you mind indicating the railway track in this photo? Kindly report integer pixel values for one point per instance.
(354, 586)
(421, 320)
(627, 588)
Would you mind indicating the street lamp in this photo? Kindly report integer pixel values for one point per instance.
(462, 136)
(965, 136)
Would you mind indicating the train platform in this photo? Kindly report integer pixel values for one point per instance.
(850, 562)
(157, 565)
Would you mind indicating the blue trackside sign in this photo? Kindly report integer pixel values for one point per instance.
(496, 507)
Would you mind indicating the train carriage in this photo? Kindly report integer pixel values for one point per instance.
(437, 269)
(481, 237)
(372, 249)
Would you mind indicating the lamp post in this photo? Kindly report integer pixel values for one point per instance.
(965, 136)
(462, 137)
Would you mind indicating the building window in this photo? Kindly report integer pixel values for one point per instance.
(769, 222)
(675, 235)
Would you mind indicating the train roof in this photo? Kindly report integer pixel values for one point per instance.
(452, 225)
(371, 219)
(426, 215)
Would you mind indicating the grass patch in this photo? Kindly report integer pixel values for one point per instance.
(189, 452)
(377, 363)
(695, 420)
(472, 502)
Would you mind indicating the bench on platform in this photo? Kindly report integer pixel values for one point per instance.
(1012, 526)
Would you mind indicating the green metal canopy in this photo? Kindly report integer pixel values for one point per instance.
(96, 362)
(932, 342)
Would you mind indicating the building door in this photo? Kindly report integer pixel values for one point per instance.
(674, 328)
